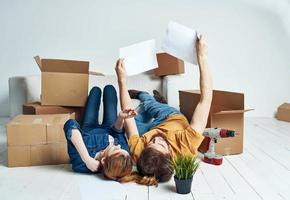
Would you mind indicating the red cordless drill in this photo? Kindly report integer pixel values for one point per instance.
(214, 133)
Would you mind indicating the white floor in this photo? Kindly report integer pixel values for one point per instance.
(261, 172)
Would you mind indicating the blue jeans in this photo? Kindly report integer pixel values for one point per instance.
(95, 135)
(152, 110)
(91, 113)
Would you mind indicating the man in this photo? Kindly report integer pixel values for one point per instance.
(170, 133)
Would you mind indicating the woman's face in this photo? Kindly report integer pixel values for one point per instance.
(159, 144)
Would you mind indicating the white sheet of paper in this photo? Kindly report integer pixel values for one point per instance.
(139, 57)
(93, 187)
(180, 42)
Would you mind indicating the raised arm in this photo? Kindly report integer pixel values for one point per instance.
(126, 102)
(200, 115)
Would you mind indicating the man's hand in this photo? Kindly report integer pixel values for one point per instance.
(201, 48)
(127, 113)
(92, 164)
(120, 70)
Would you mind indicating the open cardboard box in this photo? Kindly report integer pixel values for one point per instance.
(168, 65)
(227, 111)
(37, 140)
(63, 82)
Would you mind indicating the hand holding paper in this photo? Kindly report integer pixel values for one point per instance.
(139, 57)
(180, 42)
(201, 49)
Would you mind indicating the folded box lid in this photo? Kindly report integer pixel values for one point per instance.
(232, 111)
(65, 66)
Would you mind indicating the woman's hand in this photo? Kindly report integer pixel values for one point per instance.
(120, 70)
(201, 48)
(92, 164)
(127, 113)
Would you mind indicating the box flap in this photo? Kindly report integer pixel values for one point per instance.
(232, 111)
(190, 91)
(229, 100)
(96, 73)
(65, 66)
(38, 61)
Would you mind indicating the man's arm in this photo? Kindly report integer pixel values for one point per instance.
(200, 115)
(126, 102)
(124, 114)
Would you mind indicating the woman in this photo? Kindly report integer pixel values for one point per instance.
(170, 133)
(98, 147)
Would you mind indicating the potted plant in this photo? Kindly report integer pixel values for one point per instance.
(184, 167)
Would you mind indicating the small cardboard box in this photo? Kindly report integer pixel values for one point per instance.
(168, 65)
(283, 112)
(63, 82)
(37, 140)
(37, 109)
(227, 111)
(31, 155)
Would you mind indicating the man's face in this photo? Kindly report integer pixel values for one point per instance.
(159, 144)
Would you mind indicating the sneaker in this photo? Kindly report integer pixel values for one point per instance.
(158, 97)
(134, 93)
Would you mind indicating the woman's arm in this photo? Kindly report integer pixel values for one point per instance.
(200, 115)
(126, 102)
(78, 142)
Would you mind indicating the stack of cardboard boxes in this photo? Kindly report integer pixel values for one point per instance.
(37, 137)
(37, 140)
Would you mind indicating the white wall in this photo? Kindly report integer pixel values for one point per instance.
(248, 43)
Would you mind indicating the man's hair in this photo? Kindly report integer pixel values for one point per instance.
(155, 163)
(117, 166)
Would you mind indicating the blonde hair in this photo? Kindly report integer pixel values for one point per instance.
(117, 166)
(139, 179)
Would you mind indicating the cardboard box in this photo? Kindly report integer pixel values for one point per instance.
(37, 140)
(227, 111)
(36, 129)
(31, 155)
(37, 109)
(168, 65)
(283, 112)
(63, 82)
